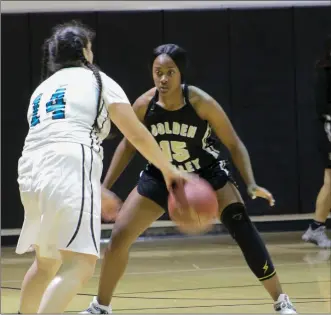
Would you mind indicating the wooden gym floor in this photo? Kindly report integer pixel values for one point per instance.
(197, 275)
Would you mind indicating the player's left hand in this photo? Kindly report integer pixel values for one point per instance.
(255, 191)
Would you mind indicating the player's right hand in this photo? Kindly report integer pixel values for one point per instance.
(175, 177)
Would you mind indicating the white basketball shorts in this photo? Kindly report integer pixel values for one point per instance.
(61, 193)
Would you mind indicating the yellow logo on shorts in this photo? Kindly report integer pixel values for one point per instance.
(265, 267)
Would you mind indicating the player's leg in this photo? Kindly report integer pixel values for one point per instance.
(316, 231)
(35, 281)
(70, 228)
(138, 212)
(74, 209)
(42, 270)
(136, 215)
(234, 216)
(76, 269)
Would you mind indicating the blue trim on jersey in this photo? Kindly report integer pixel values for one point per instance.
(56, 104)
(35, 119)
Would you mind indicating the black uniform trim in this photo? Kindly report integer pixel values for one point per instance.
(83, 198)
(91, 221)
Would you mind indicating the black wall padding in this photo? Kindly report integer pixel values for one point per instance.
(263, 101)
(15, 96)
(204, 34)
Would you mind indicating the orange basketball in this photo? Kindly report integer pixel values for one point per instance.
(110, 205)
(193, 206)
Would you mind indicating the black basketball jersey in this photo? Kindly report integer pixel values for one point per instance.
(182, 135)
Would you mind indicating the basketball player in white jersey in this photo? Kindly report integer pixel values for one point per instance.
(60, 168)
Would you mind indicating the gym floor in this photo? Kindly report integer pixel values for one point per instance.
(197, 275)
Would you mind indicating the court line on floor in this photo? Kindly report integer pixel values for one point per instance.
(214, 299)
(191, 289)
(205, 269)
(306, 300)
(200, 306)
(190, 298)
(185, 270)
(219, 287)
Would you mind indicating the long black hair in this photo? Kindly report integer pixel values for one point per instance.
(176, 53)
(64, 49)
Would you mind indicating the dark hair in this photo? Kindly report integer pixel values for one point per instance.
(176, 53)
(64, 49)
(325, 60)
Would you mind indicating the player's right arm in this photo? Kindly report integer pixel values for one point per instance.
(125, 150)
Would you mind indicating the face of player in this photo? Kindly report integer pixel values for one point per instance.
(166, 75)
(88, 53)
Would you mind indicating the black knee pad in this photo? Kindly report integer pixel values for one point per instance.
(241, 228)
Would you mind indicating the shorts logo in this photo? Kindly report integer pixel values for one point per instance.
(237, 216)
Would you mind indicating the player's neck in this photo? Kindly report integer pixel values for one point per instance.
(173, 101)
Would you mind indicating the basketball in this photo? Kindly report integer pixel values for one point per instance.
(110, 205)
(193, 206)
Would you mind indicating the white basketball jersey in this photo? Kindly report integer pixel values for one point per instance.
(64, 107)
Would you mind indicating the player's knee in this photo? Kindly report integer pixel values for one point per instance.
(121, 239)
(234, 216)
(78, 265)
(86, 268)
(89, 268)
(237, 221)
(46, 265)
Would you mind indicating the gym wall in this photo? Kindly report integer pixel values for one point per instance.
(257, 63)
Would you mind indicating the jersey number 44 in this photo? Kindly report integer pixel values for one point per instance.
(55, 106)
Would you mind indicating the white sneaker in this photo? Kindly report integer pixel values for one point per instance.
(284, 305)
(317, 237)
(96, 308)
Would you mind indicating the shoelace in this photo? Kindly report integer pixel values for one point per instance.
(94, 308)
(283, 305)
(102, 311)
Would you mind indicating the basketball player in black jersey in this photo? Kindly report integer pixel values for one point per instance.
(181, 118)
(316, 231)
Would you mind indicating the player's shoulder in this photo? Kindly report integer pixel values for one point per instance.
(40, 89)
(144, 99)
(141, 104)
(196, 95)
(108, 81)
(113, 88)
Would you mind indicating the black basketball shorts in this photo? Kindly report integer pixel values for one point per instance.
(152, 186)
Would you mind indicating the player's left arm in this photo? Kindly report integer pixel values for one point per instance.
(210, 110)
